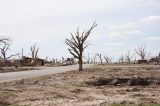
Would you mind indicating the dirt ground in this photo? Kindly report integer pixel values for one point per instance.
(80, 88)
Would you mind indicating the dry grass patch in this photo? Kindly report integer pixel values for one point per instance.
(100, 86)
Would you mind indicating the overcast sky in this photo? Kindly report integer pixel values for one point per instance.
(122, 25)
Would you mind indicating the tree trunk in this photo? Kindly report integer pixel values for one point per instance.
(80, 63)
(101, 61)
(80, 66)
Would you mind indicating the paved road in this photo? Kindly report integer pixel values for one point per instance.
(4, 77)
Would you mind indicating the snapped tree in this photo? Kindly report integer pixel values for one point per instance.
(108, 59)
(100, 57)
(4, 48)
(121, 59)
(34, 53)
(77, 44)
(141, 51)
(129, 56)
(94, 60)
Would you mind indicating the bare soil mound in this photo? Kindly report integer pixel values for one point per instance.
(4, 104)
(135, 81)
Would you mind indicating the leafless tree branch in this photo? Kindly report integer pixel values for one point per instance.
(141, 51)
(129, 56)
(34, 53)
(100, 57)
(4, 47)
(107, 59)
(77, 44)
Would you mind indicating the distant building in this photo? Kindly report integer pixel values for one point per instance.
(155, 60)
(142, 61)
(5, 63)
(26, 61)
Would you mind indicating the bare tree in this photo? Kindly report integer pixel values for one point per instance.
(53, 61)
(100, 57)
(4, 48)
(108, 59)
(4, 52)
(129, 56)
(34, 53)
(94, 60)
(135, 60)
(77, 44)
(121, 59)
(4, 40)
(141, 51)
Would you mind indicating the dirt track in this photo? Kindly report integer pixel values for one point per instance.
(10, 76)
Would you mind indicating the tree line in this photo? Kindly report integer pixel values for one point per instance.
(76, 46)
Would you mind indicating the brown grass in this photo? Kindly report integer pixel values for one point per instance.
(70, 88)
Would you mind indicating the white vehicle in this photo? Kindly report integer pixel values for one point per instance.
(65, 63)
(69, 61)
